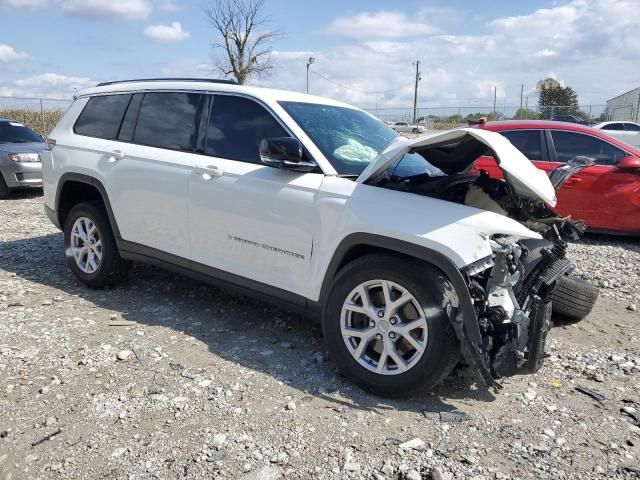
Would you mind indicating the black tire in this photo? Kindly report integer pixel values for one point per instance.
(415, 130)
(431, 289)
(573, 298)
(4, 190)
(112, 268)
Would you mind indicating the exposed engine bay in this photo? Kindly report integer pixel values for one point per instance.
(510, 289)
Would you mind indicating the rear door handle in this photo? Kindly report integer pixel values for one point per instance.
(573, 181)
(115, 155)
(209, 171)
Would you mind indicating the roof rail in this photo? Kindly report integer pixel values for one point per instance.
(207, 80)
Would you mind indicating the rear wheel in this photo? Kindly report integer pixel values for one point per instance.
(92, 253)
(573, 298)
(386, 325)
(4, 190)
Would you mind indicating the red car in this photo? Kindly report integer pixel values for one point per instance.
(606, 195)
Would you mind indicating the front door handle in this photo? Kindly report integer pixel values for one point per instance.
(115, 156)
(573, 181)
(209, 171)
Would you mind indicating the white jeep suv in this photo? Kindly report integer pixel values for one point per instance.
(408, 257)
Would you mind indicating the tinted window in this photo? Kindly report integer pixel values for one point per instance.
(130, 118)
(527, 141)
(169, 120)
(14, 132)
(631, 127)
(101, 116)
(614, 126)
(570, 144)
(237, 126)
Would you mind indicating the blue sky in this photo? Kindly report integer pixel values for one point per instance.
(52, 47)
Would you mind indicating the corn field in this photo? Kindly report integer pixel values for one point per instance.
(40, 122)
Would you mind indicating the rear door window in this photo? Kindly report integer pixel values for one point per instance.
(614, 126)
(169, 120)
(237, 125)
(101, 116)
(529, 142)
(572, 144)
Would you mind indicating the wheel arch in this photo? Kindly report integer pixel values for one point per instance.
(358, 244)
(74, 188)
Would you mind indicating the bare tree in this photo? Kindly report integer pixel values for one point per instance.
(245, 41)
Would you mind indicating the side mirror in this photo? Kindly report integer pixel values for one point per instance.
(285, 153)
(629, 164)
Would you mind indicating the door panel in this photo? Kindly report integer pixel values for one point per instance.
(148, 168)
(246, 218)
(254, 221)
(601, 195)
(148, 193)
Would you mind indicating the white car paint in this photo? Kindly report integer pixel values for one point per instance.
(405, 127)
(277, 227)
(632, 137)
(519, 172)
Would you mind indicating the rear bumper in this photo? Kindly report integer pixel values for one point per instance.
(51, 213)
(22, 174)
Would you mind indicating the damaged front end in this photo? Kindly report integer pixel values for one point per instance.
(512, 306)
(509, 289)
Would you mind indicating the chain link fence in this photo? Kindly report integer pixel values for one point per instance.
(440, 118)
(39, 114)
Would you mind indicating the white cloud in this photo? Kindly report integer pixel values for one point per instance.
(24, 4)
(9, 54)
(47, 85)
(119, 9)
(383, 24)
(166, 33)
(577, 40)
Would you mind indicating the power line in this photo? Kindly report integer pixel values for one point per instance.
(355, 89)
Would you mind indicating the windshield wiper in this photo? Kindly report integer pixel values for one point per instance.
(347, 175)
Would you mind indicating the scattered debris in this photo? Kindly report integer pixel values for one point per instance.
(46, 437)
(591, 393)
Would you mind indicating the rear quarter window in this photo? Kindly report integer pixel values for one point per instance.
(101, 116)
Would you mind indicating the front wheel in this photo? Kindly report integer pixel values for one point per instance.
(386, 325)
(90, 246)
(4, 190)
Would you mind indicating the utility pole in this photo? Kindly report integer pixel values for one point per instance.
(638, 108)
(521, 94)
(415, 92)
(311, 60)
(495, 92)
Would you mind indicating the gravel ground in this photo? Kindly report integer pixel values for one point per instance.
(164, 377)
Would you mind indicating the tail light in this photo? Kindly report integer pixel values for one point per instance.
(50, 143)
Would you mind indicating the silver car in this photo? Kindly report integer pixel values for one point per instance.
(20, 149)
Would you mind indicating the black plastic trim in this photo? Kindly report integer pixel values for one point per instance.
(51, 213)
(219, 278)
(433, 257)
(79, 177)
(202, 80)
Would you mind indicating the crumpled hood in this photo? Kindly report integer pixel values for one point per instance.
(34, 147)
(455, 151)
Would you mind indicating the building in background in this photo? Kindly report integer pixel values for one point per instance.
(625, 106)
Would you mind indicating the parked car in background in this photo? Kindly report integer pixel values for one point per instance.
(406, 127)
(628, 132)
(569, 119)
(605, 195)
(20, 149)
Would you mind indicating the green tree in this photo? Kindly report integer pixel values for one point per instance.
(554, 99)
(526, 114)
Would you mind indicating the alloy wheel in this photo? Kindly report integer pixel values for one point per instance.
(86, 245)
(384, 327)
